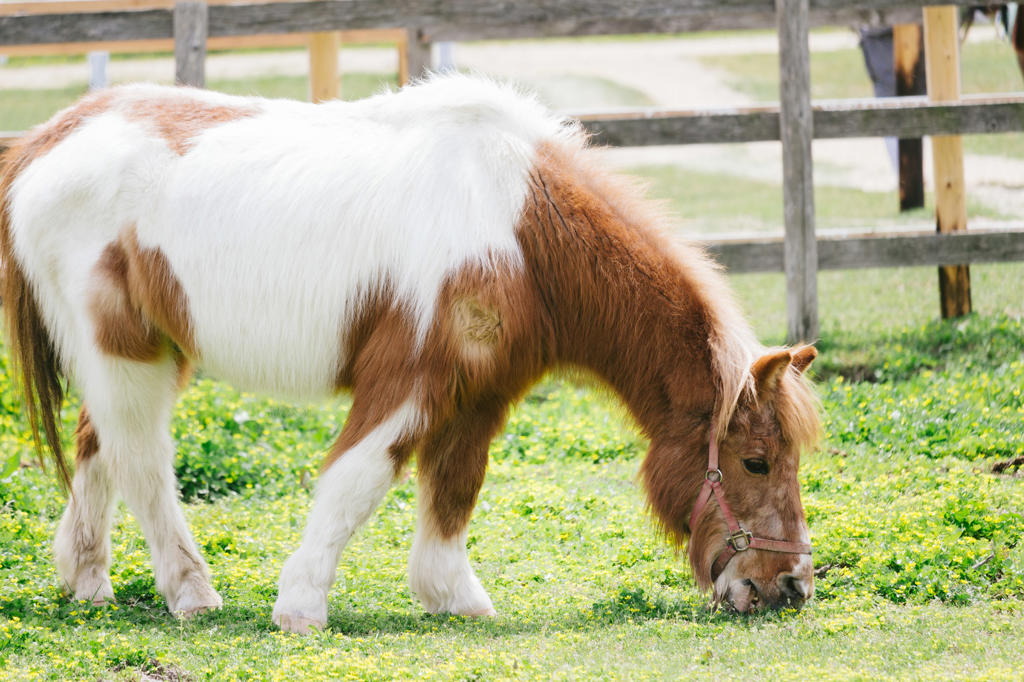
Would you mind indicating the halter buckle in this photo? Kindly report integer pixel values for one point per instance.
(713, 475)
(740, 540)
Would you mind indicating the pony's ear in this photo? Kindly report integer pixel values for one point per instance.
(803, 357)
(768, 370)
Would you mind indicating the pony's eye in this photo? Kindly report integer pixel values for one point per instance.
(756, 466)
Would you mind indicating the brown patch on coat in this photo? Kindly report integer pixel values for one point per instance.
(121, 329)
(184, 368)
(138, 305)
(453, 462)
(156, 291)
(88, 443)
(377, 367)
(180, 119)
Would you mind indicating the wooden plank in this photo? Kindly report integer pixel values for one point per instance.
(884, 4)
(79, 6)
(632, 128)
(190, 30)
(942, 62)
(85, 28)
(760, 6)
(437, 20)
(587, 24)
(926, 248)
(908, 68)
(914, 116)
(323, 66)
(857, 251)
(796, 126)
(396, 36)
(899, 117)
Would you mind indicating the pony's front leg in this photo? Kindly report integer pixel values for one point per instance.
(367, 457)
(451, 468)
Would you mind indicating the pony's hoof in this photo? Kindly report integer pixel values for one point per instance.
(185, 614)
(298, 624)
(99, 593)
(483, 613)
(196, 602)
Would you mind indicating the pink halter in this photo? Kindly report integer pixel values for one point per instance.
(739, 539)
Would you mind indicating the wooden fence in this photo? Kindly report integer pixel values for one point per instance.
(795, 122)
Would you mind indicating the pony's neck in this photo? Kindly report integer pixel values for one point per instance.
(618, 303)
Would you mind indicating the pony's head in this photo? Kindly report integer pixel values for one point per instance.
(734, 492)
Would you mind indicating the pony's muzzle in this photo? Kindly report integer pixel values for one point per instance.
(795, 586)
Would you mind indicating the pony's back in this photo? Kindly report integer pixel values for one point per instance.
(275, 220)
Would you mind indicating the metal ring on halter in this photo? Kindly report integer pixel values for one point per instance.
(714, 476)
(740, 540)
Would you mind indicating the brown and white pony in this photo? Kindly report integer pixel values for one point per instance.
(434, 252)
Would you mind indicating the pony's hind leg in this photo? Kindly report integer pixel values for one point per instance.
(367, 456)
(451, 467)
(130, 405)
(82, 544)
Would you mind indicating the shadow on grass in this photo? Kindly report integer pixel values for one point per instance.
(627, 605)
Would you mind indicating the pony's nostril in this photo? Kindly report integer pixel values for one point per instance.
(793, 587)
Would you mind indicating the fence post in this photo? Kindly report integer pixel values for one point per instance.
(942, 62)
(98, 63)
(910, 80)
(323, 66)
(419, 59)
(190, 30)
(797, 132)
(403, 59)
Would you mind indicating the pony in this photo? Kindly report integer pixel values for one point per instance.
(434, 252)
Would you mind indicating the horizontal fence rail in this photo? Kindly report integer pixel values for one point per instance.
(447, 19)
(847, 251)
(896, 117)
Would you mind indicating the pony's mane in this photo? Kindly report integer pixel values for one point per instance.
(797, 408)
(731, 340)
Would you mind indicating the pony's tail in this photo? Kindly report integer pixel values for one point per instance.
(30, 347)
